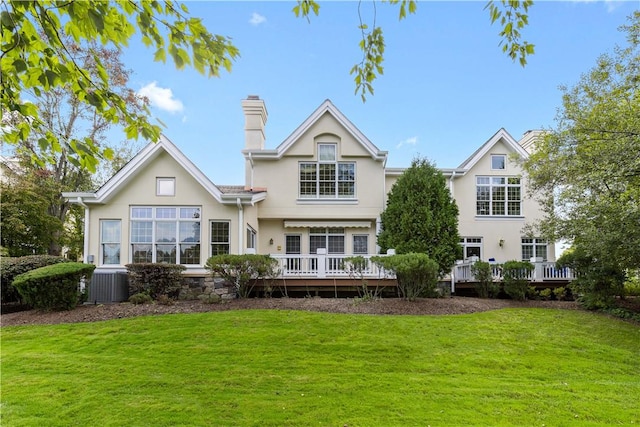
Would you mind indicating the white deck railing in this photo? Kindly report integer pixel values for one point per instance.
(323, 266)
(543, 271)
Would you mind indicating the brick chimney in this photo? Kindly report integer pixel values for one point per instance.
(255, 118)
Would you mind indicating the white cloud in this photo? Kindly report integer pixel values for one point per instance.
(409, 141)
(161, 97)
(611, 5)
(257, 19)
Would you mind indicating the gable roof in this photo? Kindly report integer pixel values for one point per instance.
(228, 195)
(503, 135)
(326, 107)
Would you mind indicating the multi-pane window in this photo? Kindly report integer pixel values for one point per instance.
(327, 178)
(534, 248)
(251, 238)
(110, 241)
(166, 234)
(498, 161)
(498, 195)
(360, 244)
(293, 247)
(331, 239)
(220, 237)
(471, 246)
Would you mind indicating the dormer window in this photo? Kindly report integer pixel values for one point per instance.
(327, 178)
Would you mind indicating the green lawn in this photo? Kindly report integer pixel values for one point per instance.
(524, 367)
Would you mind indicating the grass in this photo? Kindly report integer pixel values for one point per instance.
(530, 367)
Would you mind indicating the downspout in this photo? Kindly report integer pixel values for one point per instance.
(85, 244)
(240, 226)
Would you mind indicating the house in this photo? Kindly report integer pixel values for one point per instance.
(309, 202)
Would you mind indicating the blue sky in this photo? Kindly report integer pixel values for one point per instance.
(447, 87)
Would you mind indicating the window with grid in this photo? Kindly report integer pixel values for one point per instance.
(498, 196)
(327, 178)
(534, 248)
(332, 239)
(110, 241)
(165, 234)
(360, 244)
(471, 246)
(220, 237)
(251, 238)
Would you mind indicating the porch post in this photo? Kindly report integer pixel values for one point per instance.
(322, 262)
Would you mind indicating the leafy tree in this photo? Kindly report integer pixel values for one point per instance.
(36, 58)
(26, 228)
(63, 113)
(590, 162)
(511, 14)
(598, 281)
(421, 216)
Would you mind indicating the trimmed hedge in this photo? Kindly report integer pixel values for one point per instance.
(416, 274)
(54, 287)
(242, 270)
(12, 267)
(484, 285)
(516, 278)
(155, 279)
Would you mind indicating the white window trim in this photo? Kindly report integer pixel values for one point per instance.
(154, 220)
(102, 243)
(504, 156)
(211, 242)
(506, 186)
(318, 163)
(160, 182)
(535, 242)
(465, 244)
(353, 244)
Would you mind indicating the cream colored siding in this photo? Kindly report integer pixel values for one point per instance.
(141, 191)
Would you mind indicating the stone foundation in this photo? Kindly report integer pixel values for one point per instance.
(205, 288)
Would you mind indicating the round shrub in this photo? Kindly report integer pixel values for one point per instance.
(416, 274)
(516, 276)
(12, 267)
(155, 279)
(140, 298)
(54, 287)
(484, 284)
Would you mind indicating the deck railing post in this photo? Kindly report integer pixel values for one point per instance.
(322, 262)
(538, 269)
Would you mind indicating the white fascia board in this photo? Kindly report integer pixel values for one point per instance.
(484, 149)
(327, 106)
(146, 155)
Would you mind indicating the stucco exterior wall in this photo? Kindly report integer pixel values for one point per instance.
(494, 229)
(281, 178)
(141, 191)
